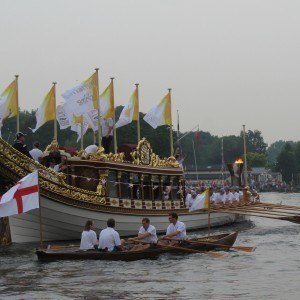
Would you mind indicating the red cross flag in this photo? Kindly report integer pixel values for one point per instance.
(22, 197)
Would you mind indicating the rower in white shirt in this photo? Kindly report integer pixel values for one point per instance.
(236, 195)
(220, 197)
(147, 234)
(88, 237)
(109, 239)
(228, 195)
(176, 230)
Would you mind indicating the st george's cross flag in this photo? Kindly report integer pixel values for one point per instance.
(22, 197)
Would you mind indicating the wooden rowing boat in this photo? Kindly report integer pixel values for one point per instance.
(73, 253)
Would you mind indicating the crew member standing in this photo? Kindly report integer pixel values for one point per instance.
(20, 144)
(36, 153)
(107, 133)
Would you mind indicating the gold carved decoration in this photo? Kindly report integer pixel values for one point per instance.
(101, 156)
(144, 155)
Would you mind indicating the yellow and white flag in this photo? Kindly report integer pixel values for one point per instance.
(160, 114)
(46, 112)
(9, 101)
(130, 111)
(107, 105)
(201, 201)
(83, 97)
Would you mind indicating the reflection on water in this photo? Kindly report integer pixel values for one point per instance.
(271, 272)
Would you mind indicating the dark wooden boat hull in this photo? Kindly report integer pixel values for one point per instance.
(151, 253)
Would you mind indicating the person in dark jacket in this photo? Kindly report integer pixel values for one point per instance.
(19, 144)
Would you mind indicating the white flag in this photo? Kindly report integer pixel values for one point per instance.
(160, 114)
(79, 99)
(22, 197)
(63, 117)
(92, 119)
(130, 111)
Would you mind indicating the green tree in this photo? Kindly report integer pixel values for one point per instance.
(255, 159)
(255, 141)
(286, 163)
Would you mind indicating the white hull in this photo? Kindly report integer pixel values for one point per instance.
(64, 222)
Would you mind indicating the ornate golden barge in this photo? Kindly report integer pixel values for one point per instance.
(126, 186)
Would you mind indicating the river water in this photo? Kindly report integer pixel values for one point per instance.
(271, 272)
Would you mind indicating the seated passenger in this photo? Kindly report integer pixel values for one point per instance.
(92, 149)
(109, 239)
(189, 200)
(53, 166)
(166, 193)
(176, 230)
(88, 237)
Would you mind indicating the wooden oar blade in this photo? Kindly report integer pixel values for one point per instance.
(293, 219)
(245, 248)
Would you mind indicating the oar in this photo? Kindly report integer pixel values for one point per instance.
(242, 248)
(182, 249)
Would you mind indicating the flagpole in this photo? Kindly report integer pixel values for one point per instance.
(40, 214)
(171, 129)
(245, 158)
(81, 129)
(17, 96)
(112, 100)
(94, 137)
(196, 168)
(55, 123)
(208, 225)
(99, 117)
(138, 120)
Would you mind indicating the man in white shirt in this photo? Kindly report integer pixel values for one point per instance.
(147, 233)
(53, 166)
(91, 149)
(109, 239)
(176, 230)
(107, 133)
(36, 153)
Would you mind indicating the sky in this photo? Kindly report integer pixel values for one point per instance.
(228, 62)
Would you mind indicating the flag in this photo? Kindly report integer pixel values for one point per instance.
(9, 101)
(76, 125)
(107, 106)
(92, 84)
(46, 112)
(63, 117)
(130, 111)
(92, 119)
(160, 114)
(201, 201)
(22, 197)
(81, 98)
